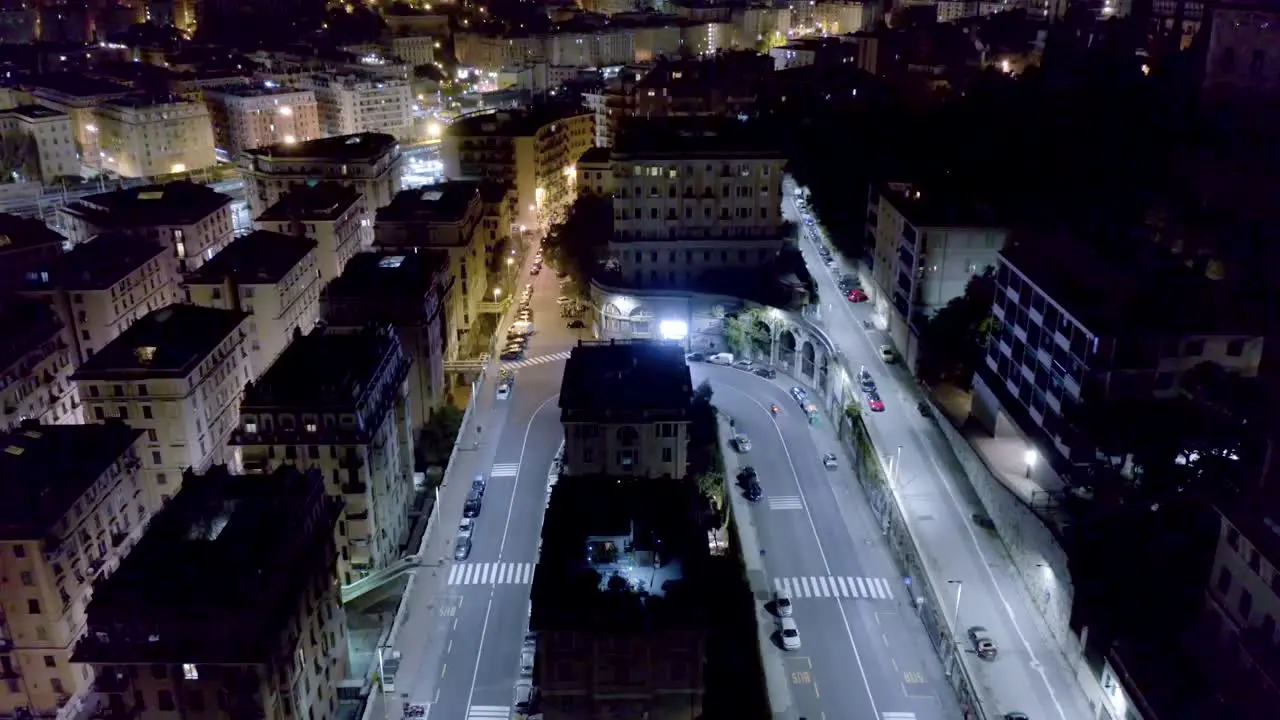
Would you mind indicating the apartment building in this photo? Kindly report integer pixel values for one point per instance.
(1063, 335)
(443, 217)
(595, 172)
(352, 103)
(622, 628)
(176, 374)
(27, 248)
(36, 363)
(415, 49)
(725, 84)
(53, 145)
(368, 162)
(147, 136)
(333, 215)
(70, 514)
(410, 292)
(102, 286)
(194, 220)
(698, 201)
(625, 409)
(348, 418)
(928, 244)
(78, 96)
(227, 607)
(614, 102)
(531, 150)
(488, 52)
(499, 203)
(251, 116)
(273, 278)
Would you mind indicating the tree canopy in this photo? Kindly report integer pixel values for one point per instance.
(577, 245)
(952, 341)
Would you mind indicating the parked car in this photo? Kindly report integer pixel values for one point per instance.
(721, 359)
(753, 490)
(478, 484)
(742, 443)
(866, 382)
(982, 643)
(789, 633)
(466, 527)
(856, 296)
(743, 364)
(829, 461)
(509, 355)
(536, 269)
(799, 394)
(874, 402)
(471, 508)
(887, 354)
(767, 373)
(983, 521)
(696, 357)
(782, 603)
(462, 549)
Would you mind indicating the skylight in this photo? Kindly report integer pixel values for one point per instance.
(393, 261)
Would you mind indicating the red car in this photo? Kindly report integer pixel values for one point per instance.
(877, 405)
(857, 296)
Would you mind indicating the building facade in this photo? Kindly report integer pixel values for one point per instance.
(251, 116)
(349, 419)
(141, 136)
(78, 97)
(52, 140)
(352, 103)
(36, 363)
(176, 374)
(368, 162)
(334, 216)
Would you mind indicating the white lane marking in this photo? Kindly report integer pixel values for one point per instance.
(453, 574)
(804, 587)
(898, 716)
(844, 590)
(826, 592)
(506, 527)
(862, 589)
(505, 470)
(833, 586)
(785, 502)
(492, 712)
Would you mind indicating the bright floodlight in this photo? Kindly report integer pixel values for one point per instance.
(434, 130)
(1031, 457)
(624, 304)
(674, 329)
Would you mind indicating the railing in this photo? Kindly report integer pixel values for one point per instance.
(378, 578)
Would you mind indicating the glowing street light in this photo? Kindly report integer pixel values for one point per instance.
(434, 130)
(497, 293)
(1031, 457)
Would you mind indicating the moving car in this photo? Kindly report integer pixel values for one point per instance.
(564, 300)
(536, 269)
(799, 394)
(982, 643)
(874, 401)
(767, 373)
(742, 443)
(887, 354)
(856, 296)
(509, 355)
(743, 364)
(789, 633)
(721, 359)
(829, 461)
(782, 603)
(466, 528)
(866, 382)
(504, 391)
(462, 549)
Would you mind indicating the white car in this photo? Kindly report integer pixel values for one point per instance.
(721, 359)
(789, 633)
(466, 527)
(887, 354)
(564, 300)
(742, 443)
(782, 603)
(504, 391)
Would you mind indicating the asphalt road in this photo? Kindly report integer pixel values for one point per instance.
(1030, 674)
(863, 654)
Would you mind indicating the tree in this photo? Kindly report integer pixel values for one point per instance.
(952, 341)
(746, 333)
(439, 434)
(577, 245)
(19, 156)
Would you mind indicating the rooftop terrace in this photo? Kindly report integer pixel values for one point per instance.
(259, 258)
(169, 342)
(620, 380)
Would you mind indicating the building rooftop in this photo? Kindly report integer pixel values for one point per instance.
(596, 155)
(20, 233)
(1129, 288)
(253, 90)
(513, 123)
(35, 112)
(625, 379)
(27, 323)
(44, 469)
(360, 147)
(78, 85)
(690, 137)
(443, 203)
(384, 273)
(139, 101)
(100, 263)
(169, 342)
(296, 380)
(175, 203)
(322, 202)
(259, 258)
(219, 575)
(597, 568)
(938, 207)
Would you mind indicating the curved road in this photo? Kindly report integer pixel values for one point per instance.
(864, 653)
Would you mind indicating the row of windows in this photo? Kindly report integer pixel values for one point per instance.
(740, 213)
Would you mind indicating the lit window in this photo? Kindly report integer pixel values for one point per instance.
(251, 428)
(189, 672)
(311, 427)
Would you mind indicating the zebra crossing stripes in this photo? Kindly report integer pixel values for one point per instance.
(898, 716)
(491, 574)
(529, 362)
(505, 470)
(786, 502)
(488, 712)
(837, 586)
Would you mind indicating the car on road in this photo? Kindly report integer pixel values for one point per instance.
(721, 359)
(766, 373)
(462, 549)
(526, 662)
(753, 491)
(466, 528)
(504, 391)
(742, 443)
(521, 328)
(1016, 716)
(525, 698)
(576, 324)
(856, 296)
(509, 355)
(535, 269)
(874, 402)
(808, 220)
(695, 357)
(782, 603)
(478, 484)
(829, 461)
(789, 632)
(799, 394)
(564, 300)
(887, 354)
(866, 382)
(743, 364)
(982, 643)
(471, 508)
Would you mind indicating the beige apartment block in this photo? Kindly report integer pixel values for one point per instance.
(272, 277)
(227, 609)
(78, 96)
(53, 136)
(143, 136)
(335, 216)
(176, 374)
(351, 102)
(368, 162)
(250, 116)
(194, 220)
(70, 513)
(36, 363)
(337, 403)
(415, 49)
(102, 286)
(443, 217)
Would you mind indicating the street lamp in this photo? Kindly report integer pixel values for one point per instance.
(955, 621)
(1031, 457)
(497, 292)
(774, 316)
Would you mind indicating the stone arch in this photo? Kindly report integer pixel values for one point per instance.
(641, 311)
(807, 356)
(786, 348)
(611, 310)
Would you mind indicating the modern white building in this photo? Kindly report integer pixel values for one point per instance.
(36, 363)
(368, 162)
(273, 278)
(177, 375)
(250, 116)
(102, 286)
(72, 510)
(143, 136)
(52, 137)
(347, 417)
(352, 103)
(334, 216)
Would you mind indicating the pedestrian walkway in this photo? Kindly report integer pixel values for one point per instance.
(898, 716)
(837, 586)
(529, 362)
(508, 573)
(505, 470)
(488, 712)
(786, 502)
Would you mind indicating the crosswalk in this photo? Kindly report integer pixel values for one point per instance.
(501, 573)
(898, 716)
(488, 712)
(837, 586)
(529, 362)
(786, 502)
(505, 470)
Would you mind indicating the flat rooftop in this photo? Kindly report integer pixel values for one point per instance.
(259, 258)
(626, 379)
(1130, 288)
(373, 274)
(938, 207)
(20, 233)
(44, 469)
(513, 123)
(360, 147)
(27, 323)
(100, 263)
(148, 100)
(322, 202)
(166, 343)
(695, 137)
(78, 85)
(219, 575)
(596, 155)
(251, 90)
(35, 112)
(580, 584)
(443, 203)
(176, 203)
(321, 370)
